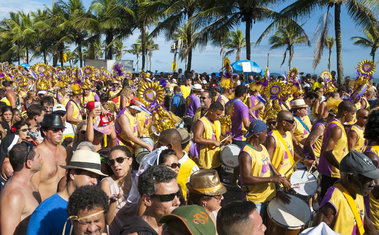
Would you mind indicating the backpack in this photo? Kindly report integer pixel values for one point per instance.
(182, 108)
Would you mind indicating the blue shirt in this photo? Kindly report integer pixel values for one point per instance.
(49, 217)
(176, 100)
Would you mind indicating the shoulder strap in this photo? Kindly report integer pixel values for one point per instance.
(302, 123)
(276, 132)
(353, 208)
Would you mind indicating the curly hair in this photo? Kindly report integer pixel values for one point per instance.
(87, 198)
(154, 175)
(372, 127)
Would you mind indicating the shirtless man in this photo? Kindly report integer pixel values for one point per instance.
(19, 197)
(53, 155)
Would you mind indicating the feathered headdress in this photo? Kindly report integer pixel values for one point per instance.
(365, 70)
(227, 78)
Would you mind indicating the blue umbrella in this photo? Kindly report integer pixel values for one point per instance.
(254, 67)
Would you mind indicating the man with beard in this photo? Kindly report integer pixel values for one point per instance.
(343, 207)
(53, 155)
(206, 98)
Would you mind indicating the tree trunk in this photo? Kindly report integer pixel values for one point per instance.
(189, 56)
(143, 41)
(80, 54)
(109, 50)
(150, 55)
(137, 63)
(238, 54)
(373, 55)
(330, 55)
(27, 55)
(248, 48)
(44, 57)
(55, 60)
(18, 54)
(337, 25)
(61, 49)
(173, 67)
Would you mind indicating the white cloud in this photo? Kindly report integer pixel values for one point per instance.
(18, 5)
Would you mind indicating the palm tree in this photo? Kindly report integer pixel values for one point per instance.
(77, 23)
(371, 40)
(135, 50)
(219, 16)
(142, 19)
(235, 42)
(150, 47)
(321, 36)
(329, 43)
(359, 10)
(114, 20)
(288, 36)
(174, 13)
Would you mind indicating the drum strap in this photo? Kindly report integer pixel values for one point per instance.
(302, 123)
(276, 132)
(353, 208)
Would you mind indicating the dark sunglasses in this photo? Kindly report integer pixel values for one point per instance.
(82, 132)
(271, 123)
(119, 160)
(56, 129)
(290, 121)
(167, 197)
(25, 130)
(365, 117)
(203, 98)
(174, 165)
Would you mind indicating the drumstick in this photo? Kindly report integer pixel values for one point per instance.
(293, 166)
(226, 138)
(309, 171)
(306, 182)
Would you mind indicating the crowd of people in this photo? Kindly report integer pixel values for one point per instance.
(91, 151)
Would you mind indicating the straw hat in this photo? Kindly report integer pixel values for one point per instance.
(299, 103)
(85, 160)
(207, 182)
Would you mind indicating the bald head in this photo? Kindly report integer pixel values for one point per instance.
(170, 136)
(284, 115)
(362, 117)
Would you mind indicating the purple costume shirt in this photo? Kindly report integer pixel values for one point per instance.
(237, 111)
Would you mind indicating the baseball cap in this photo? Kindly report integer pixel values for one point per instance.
(358, 163)
(194, 217)
(256, 127)
(90, 105)
(59, 109)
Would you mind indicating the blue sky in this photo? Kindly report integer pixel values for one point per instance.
(208, 58)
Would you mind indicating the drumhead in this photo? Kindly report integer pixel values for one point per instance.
(307, 189)
(229, 155)
(292, 216)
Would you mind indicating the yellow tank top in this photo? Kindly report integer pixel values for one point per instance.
(360, 145)
(340, 149)
(374, 211)
(301, 133)
(260, 167)
(199, 114)
(186, 90)
(144, 121)
(317, 146)
(90, 97)
(280, 159)
(76, 110)
(184, 174)
(358, 106)
(345, 221)
(133, 123)
(5, 100)
(209, 156)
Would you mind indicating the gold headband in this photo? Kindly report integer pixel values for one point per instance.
(76, 218)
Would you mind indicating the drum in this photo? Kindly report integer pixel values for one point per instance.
(229, 155)
(304, 190)
(287, 219)
(140, 152)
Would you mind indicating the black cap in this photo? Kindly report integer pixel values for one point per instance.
(358, 163)
(53, 121)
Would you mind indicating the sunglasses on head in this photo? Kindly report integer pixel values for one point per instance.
(174, 165)
(167, 197)
(290, 121)
(30, 147)
(119, 160)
